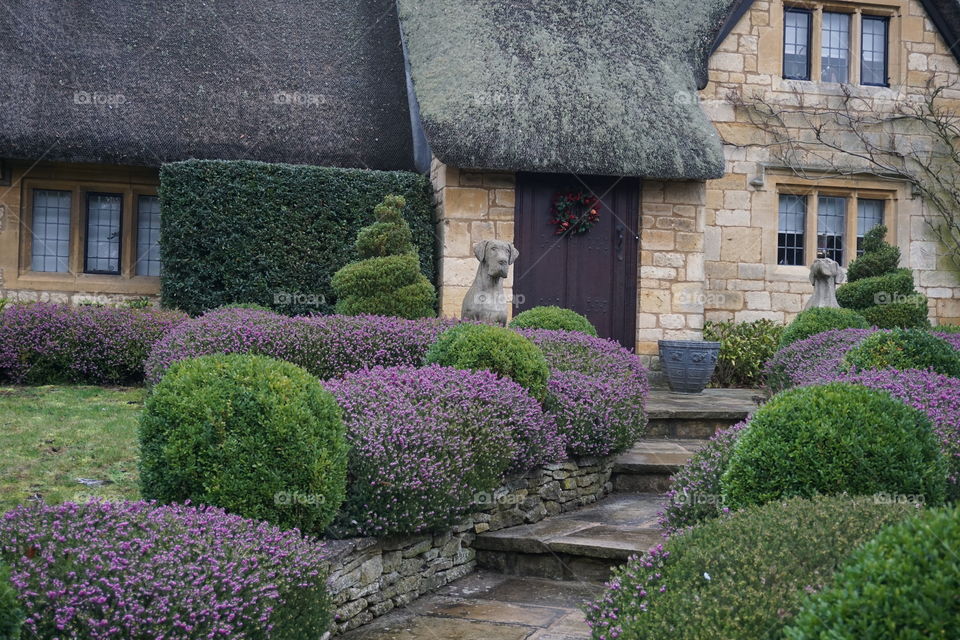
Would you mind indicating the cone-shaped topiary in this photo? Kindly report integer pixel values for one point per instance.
(387, 280)
(879, 290)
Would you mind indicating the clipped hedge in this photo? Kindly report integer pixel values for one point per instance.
(835, 438)
(256, 436)
(820, 319)
(505, 352)
(876, 290)
(903, 584)
(139, 571)
(273, 234)
(898, 314)
(742, 577)
(904, 349)
(552, 317)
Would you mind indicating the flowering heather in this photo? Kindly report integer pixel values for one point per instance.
(426, 441)
(596, 391)
(812, 360)
(52, 343)
(952, 337)
(694, 494)
(137, 571)
(326, 346)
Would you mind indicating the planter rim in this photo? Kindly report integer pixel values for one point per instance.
(680, 343)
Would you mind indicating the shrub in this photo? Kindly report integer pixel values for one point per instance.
(425, 442)
(902, 584)
(818, 320)
(882, 289)
(744, 348)
(138, 571)
(506, 353)
(947, 328)
(240, 231)
(742, 576)
(596, 391)
(952, 338)
(695, 491)
(387, 279)
(11, 615)
(878, 258)
(54, 344)
(551, 317)
(898, 315)
(326, 346)
(238, 431)
(904, 349)
(812, 359)
(834, 438)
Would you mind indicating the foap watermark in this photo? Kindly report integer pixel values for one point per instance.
(296, 498)
(487, 297)
(707, 299)
(99, 98)
(300, 99)
(899, 498)
(696, 497)
(486, 498)
(893, 297)
(494, 99)
(285, 298)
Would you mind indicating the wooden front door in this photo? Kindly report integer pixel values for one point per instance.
(594, 273)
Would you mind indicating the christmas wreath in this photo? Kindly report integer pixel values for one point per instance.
(574, 212)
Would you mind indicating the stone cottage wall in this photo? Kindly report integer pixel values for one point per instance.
(369, 576)
(743, 281)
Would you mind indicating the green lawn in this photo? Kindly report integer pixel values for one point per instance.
(52, 436)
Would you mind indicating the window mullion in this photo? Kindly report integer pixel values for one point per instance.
(855, 51)
(77, 231)
(850, 241)
(816, 40)
(812, 241)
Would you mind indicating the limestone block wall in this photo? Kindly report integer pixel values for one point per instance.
(743, 281)
(371, 576)
(672, 297)
(471, 206)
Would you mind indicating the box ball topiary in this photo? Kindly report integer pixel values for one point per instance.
(818, 320)
(740, 577)
(834, 438)
(506, 353)
(884, 289)
(899, 315)
(256, 436)
(879, 256)
(904, 349)
(552, 317)
(11, 614)
(902, 584)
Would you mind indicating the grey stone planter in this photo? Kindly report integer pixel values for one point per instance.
(688, 364)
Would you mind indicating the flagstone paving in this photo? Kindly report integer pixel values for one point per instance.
(490, 606)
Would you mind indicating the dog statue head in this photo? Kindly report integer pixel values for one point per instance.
(495, 257)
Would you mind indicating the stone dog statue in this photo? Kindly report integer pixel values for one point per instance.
(825, 275)
(485, 300)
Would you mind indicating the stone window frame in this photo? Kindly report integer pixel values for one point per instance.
(75, 275)
(889, 9)
(851, 188)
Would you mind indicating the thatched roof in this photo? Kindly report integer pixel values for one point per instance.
(319, 82)
(592, 86)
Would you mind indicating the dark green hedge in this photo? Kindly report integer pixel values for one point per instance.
(273, 234)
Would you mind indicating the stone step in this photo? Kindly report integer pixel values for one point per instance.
(647, 467)
(699, 415)
(579, 545)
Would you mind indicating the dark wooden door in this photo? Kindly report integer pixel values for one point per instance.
(594, 273)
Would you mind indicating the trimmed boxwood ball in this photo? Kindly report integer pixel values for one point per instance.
(818, 320)
(552, 317)
(738, 577)
(388, 286)
(506, 353)
(256, 436)
(898, 315)
(876, 290)
(834, 438)
(905, 583)
(11, 615)
(904, 349)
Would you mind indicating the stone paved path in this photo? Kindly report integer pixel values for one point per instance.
(490, 606)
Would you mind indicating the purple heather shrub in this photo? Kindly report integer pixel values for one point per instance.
(952, 337)
(44, 343)
(596, 391)
(138, 571)
(812, 360)
(427, 443)
(326, 346)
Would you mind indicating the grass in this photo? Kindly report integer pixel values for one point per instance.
(52, 437)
